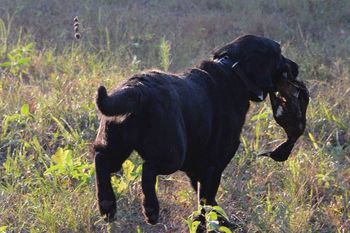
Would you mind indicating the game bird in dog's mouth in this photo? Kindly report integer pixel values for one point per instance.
(192, 121)
(289, 106)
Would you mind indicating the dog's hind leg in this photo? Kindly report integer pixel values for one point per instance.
(107, 162)
(105, 195)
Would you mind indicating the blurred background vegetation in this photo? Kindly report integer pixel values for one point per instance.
(48, 118)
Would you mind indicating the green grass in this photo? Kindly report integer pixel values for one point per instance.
(48, 118)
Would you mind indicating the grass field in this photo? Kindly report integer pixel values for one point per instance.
(48, 118)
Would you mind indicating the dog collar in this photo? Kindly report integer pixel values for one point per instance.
(234, 66)
(226, 61)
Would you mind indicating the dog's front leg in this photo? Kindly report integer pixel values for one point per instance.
(105, 194)
(150, 201)
(209, 186)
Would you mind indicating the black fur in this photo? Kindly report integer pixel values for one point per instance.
(190, 122)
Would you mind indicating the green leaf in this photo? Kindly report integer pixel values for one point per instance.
(58, 157)
(128, 167)
(118, 184)
(6, 64)
(25, 110)
(69, 158)
(260, 116)
(220, 211)
(193, 225)
(28, 47)
(63, 157)
(137, 172)
(212, 216)
(11, 58)
(224, 229)
(3, 229)
(24, 61)
(52, 169)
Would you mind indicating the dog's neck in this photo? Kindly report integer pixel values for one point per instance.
(234, 66)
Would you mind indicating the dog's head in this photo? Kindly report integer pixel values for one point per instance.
(260, 62)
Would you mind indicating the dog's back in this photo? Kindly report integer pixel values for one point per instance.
(157, 110)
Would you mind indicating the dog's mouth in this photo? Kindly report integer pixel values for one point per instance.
(285, 77)
(258, 96)
(261, 96)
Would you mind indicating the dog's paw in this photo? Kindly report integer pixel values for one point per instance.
(151, 215)
(107, 209)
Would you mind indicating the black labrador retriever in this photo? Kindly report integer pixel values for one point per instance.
(189, 122)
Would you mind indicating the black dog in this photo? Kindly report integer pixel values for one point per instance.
(189, 122)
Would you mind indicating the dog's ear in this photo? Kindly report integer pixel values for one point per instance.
(261, 61)
(257, 67)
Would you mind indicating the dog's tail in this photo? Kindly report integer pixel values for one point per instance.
(121, 102)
